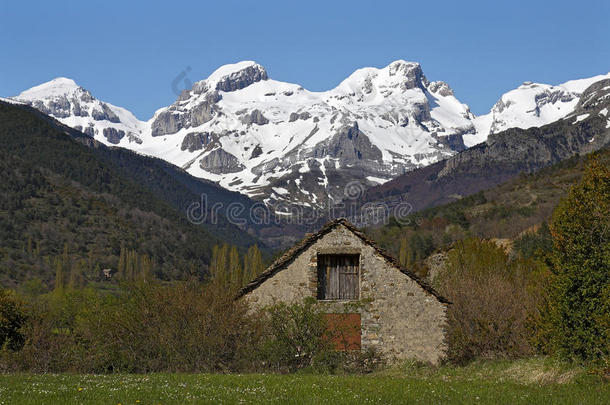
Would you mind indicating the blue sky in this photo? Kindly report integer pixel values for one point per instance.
(128, 53)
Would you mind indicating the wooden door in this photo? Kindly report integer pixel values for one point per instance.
(344, 331)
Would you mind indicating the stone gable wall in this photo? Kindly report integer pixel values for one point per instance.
(399, 318)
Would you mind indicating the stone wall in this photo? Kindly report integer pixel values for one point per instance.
(399, 317)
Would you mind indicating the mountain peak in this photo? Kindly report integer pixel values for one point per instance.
(63, 81)
(232, 69)
(409, 74)
(533, 105)
(57, 86)
(398, 74)
(73, 105)
(232, 77)
(401, 64)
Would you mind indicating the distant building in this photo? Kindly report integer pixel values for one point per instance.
(359, 285)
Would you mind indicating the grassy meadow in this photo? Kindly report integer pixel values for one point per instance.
(529, 381)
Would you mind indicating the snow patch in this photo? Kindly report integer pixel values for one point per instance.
(378, 180)
(581, 117)
(280, 190)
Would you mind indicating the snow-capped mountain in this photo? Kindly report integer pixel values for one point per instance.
(277, 141)
(280, 143)
(530, 105)
(74, 106)
(504, 155)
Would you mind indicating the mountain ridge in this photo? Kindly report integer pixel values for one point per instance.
(281, 144)
(503, 156)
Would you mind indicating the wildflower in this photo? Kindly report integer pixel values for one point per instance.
(80, 389)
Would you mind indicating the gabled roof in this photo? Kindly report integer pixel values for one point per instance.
(310, 239)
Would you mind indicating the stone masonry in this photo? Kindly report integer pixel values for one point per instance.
(400, 316)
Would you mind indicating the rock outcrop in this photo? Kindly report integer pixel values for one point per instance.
(113, 135)
(219, 161)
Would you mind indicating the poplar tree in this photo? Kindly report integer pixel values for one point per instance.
(219, 265)
(404, 254)
(59, 275)
(253, 263)
(235, 270)
(121, 266)
(223, 264)
(66, 260)
(145, 272)
(29, 246)
(76, 275)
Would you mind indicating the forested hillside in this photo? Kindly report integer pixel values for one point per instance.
(66, 206)
(515, 213)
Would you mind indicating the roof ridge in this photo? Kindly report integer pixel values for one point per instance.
(304, 243)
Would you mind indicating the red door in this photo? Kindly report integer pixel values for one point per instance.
(344, 331)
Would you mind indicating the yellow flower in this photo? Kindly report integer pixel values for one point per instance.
(80, 388)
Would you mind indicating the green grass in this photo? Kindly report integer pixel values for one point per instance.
(532, 381)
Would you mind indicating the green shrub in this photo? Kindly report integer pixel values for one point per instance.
(12, 318)
(182, 327)
(296, 337)
(140, 328)
(299, 338)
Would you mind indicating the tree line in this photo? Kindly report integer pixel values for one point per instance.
(231, 270)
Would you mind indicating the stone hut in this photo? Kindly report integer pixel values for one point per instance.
(360, 285)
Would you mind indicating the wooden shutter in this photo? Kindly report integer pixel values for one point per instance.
(348, 277)
(338, 277)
